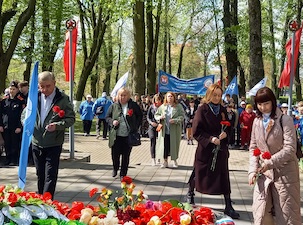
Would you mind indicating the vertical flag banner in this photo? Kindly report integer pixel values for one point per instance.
(28, 125)
(195, 86)
(259, 85)
(66, 52)
(285, 75)
(232, 88)
(121, 83)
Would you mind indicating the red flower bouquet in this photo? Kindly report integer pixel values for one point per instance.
(260, 156)
(57, 115)
(224, 125)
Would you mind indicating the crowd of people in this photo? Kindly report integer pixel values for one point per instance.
(215, 124)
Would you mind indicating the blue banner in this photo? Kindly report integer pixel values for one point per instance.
(196, 86)
(232, 88)
(28, 125)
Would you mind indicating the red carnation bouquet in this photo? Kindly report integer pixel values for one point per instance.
(57, 115)
(261, 157)
(224, 125)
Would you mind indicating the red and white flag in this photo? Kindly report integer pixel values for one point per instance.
(285, 75)
(66, 52)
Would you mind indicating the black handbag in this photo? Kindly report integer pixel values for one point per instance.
(134, 139)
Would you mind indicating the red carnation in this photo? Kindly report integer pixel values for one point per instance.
(93, 192)
(127, 180)
(257, 152)
(56, 109)
(266, 155)
(47, 196)
(61, 113)
(130, 112)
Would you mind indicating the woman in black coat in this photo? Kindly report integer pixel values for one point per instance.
(152, 133)
(212, 176)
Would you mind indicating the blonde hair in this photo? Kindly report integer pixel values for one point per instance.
(124, 90)
(209, 93)
(175, 99)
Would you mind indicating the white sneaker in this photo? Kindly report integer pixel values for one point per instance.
(175, 164)
(164, 165)
(153, 163)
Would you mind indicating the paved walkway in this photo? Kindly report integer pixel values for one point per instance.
(77, 177)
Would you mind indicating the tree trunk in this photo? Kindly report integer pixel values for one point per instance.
(139, 81)
(230, 36)
(169, 53)
(119, 52)
(94, 81)
(29, 50)
(297, 72)
(109, 59)
(273, 49)
(6, 53)
(255, 43)
(99, 22)
(165, 38)
(149, 40)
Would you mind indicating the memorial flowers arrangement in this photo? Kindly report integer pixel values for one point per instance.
(20, 207)
(27, 208)
(224, 125)
(130, 209)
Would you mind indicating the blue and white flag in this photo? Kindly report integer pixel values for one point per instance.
(121, 83)
(195, 86)
(28, 125)
(232, 88)
(259, 85)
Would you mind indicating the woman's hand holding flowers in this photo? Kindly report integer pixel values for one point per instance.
(222, 135)
(216, 141)
(252, 178)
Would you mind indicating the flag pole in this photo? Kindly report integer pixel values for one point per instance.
(70, 25)
(293, 27)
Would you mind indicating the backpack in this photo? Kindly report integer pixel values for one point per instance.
(299, 144)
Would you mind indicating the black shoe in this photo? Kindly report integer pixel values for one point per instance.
(121, 178)
(114, 173)
(232, 213)
(190, 199)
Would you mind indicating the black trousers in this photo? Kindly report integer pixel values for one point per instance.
(121, 148)
(105, 127)
(12, 144)
(87, 125)
(47, 165)
(166, 146)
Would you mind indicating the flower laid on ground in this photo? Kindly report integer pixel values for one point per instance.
(20, 207)
(129, 209)
(224, 125)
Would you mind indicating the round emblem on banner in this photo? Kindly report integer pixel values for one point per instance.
(208, 82)
(164, 79)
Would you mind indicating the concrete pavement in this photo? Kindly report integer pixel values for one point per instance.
(77, 176)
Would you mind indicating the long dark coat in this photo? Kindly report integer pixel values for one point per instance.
(206, 125)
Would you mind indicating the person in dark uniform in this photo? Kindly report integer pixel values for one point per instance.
(10, 123)
(23, 88)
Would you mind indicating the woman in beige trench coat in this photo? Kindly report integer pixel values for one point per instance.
(171, 115)
(276, 197)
